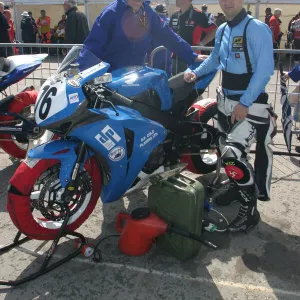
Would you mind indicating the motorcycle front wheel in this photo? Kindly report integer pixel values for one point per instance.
(35, 201)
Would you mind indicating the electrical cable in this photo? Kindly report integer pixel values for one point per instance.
(97, 252)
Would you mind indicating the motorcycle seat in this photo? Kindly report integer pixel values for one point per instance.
(6, 100)
(180, 89)
(4, 65)
(13, 62)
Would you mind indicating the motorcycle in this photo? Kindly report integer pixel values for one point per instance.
(17, 124)
(118, 132)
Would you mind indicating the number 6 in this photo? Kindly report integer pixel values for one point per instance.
(46, 102)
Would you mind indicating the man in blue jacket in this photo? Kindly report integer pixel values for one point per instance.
(123, 33)
(244, 50)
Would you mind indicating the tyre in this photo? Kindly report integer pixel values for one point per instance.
(202, 111)
(34, 198)
(17, 147)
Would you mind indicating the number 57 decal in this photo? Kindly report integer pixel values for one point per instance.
(108, 137)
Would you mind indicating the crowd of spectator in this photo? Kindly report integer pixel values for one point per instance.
(71, 29)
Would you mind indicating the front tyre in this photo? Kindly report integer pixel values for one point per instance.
(34, 199)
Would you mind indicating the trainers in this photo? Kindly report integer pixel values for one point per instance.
(230, 196)
(247, 218)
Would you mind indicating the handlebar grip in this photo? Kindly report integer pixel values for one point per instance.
(126, 101)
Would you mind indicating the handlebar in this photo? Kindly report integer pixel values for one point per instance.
(126, 101)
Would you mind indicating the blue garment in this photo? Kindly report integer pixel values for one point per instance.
(295, 74)
(162, 59)
(118, 38)
(232, 59)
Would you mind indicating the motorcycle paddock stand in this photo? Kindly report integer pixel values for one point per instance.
(45, 268)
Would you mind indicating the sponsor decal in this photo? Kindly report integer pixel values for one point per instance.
(73, 98)
(237, 44)
(108, 137)
(148, 138)
(116, 154)
(73, 83)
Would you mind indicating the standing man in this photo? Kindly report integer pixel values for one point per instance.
(123, 34)
(268, 15)
(210, 16)
(43, 23)
(63, 21)
(28, 30)
(190, 24)
(4, 33)
(244, 50)
(274, 24)
(295, 30)
(77, 28)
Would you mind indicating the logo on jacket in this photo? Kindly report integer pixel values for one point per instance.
(237, 44)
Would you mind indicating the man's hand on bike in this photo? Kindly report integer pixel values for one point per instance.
(189, 77)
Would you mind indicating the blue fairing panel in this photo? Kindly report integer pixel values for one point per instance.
(132, 81)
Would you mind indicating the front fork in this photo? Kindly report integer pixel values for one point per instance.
(70, 188)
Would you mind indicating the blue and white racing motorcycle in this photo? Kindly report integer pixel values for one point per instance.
(117, 131)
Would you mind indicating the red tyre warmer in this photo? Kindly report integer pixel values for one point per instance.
(19, 206)
(203, 111)
(20, 101)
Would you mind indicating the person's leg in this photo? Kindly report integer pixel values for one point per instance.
(240, 171)
(263, 160)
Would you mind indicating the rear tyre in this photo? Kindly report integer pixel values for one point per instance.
(202, 111)
(36, 185)
(17, 147)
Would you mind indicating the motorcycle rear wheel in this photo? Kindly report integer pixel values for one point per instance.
(15, 148)
(202, 111)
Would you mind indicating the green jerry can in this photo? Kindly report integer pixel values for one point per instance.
(179, 200)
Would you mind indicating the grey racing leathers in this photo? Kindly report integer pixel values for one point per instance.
(257, 127)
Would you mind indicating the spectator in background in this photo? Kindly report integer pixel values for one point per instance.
(210, 16)
(249, 12)
(28, 31)
(220, 19)
(43, 23)
(292, 20)
(77, 28)
(4, 33)
(162, 59)
(274, 24)
(63, 21)
(295, 30)
(268, 15)
(11, 24)
(191, 24)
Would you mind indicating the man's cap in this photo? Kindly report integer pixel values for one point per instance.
(160, 9)
(25, 14)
